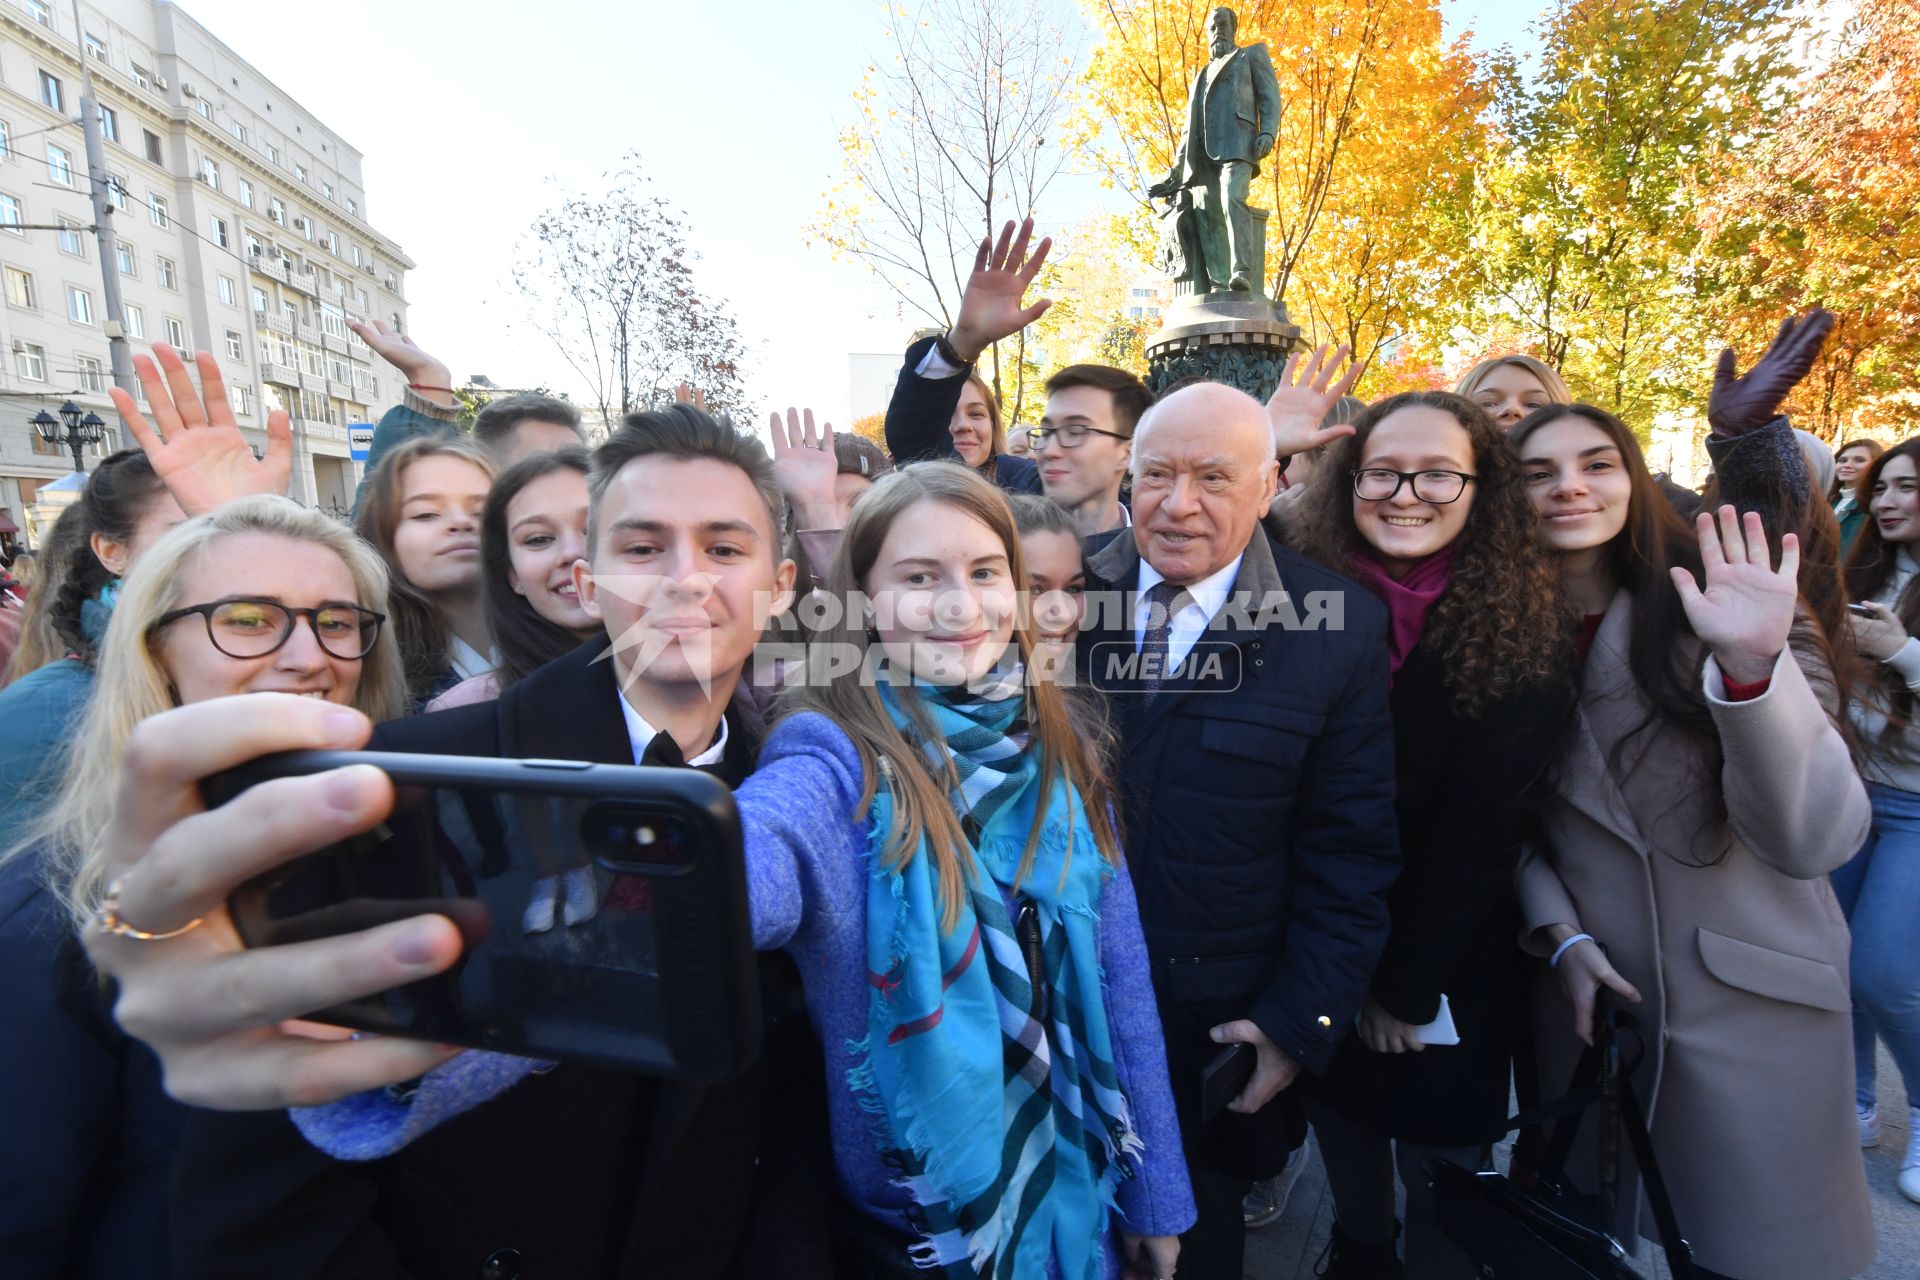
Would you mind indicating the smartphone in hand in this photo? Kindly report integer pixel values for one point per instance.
(1225, 1078)
(603, 908)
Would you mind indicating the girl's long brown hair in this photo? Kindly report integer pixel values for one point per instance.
(1869, 565)
(1070, 747)
(418, 626)
(1503, 623)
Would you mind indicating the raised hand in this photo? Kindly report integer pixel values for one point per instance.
(990, 308)
(1298, 405)
(1751, 400)
(805, 465)
(193, 442)
(687, 393)
(400, 351)
(1746, 610)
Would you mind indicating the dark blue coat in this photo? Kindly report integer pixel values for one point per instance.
(918, 418)
(1258, 802)
(90, 1132)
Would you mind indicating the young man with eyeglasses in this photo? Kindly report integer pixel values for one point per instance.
(1084, 445)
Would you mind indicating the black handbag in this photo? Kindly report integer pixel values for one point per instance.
(1536, 1226)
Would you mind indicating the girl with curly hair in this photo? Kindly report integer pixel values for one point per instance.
(1425, 505)
(1698, 805)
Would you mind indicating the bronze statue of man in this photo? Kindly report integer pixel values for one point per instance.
(1232, 116)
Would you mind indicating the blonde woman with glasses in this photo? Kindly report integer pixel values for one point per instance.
(259, 595)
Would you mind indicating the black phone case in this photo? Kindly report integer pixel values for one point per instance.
(641, 960)
(1223, 1079)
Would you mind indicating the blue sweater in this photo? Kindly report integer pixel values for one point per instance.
(806, 875)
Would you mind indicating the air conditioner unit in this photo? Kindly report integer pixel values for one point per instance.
(188, 90)
(160, 82)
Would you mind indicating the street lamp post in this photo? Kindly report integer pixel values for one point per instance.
(72, 430)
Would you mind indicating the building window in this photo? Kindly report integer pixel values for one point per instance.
(326, 189)
(306, 228)
(353, 206)
(238, 130)
(10, 214)
(277, 210)
(134, 321)
(333, 244)
(157, 209)
(246, 193)
(38, 11)
(123, 254)
(92, 377)
(19, 287)
(50, 92)
(217, 231)
(141, 76)
(204, 107)
(117, 192)
(176, 334)
(30, 362)
(291, 310)
(109, 124)
(59, 165)
(240, 397)
(273, 152)
(359, 256)
(210, 172)
(234, 349)
(229, 291)
(79, 305)
(96, 46)
(152, 141)
(68, 238)
(6, 140)
(168, 278)
(259, 301)
(299, 173)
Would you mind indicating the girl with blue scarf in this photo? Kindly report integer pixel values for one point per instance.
(930, 836)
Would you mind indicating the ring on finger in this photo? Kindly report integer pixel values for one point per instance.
(107, 916)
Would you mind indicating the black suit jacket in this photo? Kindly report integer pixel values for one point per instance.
(1257, 793)
(917, 425)
(579, 1172)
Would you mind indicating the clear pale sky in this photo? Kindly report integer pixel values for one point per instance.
(478, 115)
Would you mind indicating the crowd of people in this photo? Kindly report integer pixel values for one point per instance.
(1416, 744)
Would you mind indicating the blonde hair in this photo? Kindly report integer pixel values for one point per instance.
(1071, 747)
(1548, 376)
(129, 684)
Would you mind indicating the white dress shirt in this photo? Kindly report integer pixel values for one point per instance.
(1204, 599)
(641, 735)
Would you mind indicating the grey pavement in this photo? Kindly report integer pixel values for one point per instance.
(1287, 1249)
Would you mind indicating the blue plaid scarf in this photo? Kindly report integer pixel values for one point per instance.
(996, 1105)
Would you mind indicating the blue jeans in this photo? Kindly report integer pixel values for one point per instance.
(1880, 893)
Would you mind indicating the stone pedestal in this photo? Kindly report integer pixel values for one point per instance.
(1236, 338)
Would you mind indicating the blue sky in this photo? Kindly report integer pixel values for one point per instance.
(472, 124)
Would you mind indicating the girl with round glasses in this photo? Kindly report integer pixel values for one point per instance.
(1434, 519)
(259, 595)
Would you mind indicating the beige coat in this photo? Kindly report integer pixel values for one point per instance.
(1741, 962)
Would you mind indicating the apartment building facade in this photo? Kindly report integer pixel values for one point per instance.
(242, 229)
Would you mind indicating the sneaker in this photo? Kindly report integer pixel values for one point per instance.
(1268, 1200)
(582, 894)
(538, 917)
(1869, 1125)
(1909, 1180)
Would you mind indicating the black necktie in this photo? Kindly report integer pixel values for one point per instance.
(1164, 600)
(663, 753)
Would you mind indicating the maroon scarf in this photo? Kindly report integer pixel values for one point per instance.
(1408, 600)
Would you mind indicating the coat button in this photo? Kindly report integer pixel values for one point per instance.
(503, 1264)
(1325, 1021)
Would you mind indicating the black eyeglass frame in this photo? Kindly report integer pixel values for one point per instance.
(370, 623)
(1037, 436)
(1405, 478)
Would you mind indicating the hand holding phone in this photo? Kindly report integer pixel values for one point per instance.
(1225, 1078)
(211, 1010)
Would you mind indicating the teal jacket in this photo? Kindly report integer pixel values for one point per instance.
(38, 714)
(411, 418)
